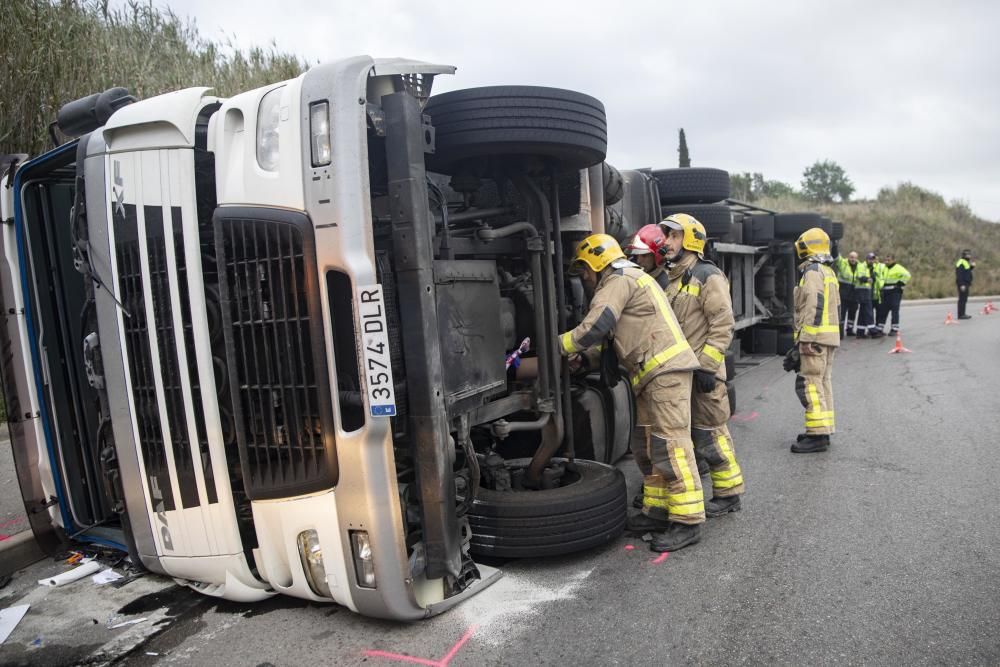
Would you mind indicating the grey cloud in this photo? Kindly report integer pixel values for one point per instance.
(893, 91)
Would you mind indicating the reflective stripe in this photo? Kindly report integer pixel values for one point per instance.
(819, 424)
(658, 360)
(654, 502)
(734, 477)
(820, 415)
(654, 491)
(691, 500)
(814, 398)
(713, 353)
(693, 290)
(567, 343)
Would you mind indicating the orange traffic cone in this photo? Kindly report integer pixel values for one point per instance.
(950, 319)
(899, 344)
(990, 307)
(986, 310)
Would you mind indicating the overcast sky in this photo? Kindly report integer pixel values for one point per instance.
(892, 91)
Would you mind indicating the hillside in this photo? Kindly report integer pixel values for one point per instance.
(921, 228)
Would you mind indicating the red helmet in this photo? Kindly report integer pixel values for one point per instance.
(649, 239)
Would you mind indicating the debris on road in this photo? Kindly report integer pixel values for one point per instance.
(9, 618)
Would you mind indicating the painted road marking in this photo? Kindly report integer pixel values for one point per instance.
(443, 662)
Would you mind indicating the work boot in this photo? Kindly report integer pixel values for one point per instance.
(812, 444)
(677, 536)
(640, 524)
(637, 501)
(850, 332)
(878, 333)
(720, 506)
(862, 334)
(965, 317)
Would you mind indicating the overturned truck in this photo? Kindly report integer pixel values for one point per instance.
(302, 340)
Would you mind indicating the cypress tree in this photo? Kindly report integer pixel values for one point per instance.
(685, 159)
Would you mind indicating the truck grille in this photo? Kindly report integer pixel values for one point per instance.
(276, 355)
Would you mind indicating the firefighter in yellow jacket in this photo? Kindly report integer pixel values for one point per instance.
(698, 292)
(629, 310)
(817, 337)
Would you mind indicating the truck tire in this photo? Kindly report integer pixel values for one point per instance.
(614, 186)
(692, 185)
(587, 512)
(788, 226)
(836, 230)
(568, 127)
(717, 218)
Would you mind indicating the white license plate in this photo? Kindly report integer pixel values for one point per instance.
(375, 342)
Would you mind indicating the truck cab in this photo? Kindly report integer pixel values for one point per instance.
(303, 340)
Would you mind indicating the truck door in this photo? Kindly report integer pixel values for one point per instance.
(35, 475)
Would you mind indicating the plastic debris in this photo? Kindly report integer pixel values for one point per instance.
(9, 618)
(105, 577)
(85, 568)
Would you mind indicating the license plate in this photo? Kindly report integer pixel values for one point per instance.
(375, 342)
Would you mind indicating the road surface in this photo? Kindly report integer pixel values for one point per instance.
(886, 549)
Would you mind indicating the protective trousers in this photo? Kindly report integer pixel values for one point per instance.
(672, 491)
(850, 310)
(814, 386)
(712, 441)
(891, 298)
(963, 297)
(865, 312)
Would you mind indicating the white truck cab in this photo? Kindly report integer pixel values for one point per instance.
(265, 344)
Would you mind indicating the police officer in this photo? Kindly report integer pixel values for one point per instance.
(699, 296)
(649, 343)
(817, 338)
(893, 278)
(963, 281)
(846, 268)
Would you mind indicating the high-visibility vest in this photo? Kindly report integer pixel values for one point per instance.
(843, 269)
(895, 276)
(862, 276)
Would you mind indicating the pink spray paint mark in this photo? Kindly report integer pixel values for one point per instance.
(11, 522)
(738, 417)
(4, 537)
(659, 559)
(443, 662)
(629, 547)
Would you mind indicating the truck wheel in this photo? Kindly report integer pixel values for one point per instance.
(692, 185)
(614, 186)
(588, 511)
(788, 226)
(566, 126)
(717, 218)
(836, 230)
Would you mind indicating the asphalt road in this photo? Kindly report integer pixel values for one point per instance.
(886, 549)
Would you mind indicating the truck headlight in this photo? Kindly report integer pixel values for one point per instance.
(319, 131)
(364, 562)
(312, 562)
(268, 118)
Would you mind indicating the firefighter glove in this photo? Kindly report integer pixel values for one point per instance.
(792, 361)
(704, 381)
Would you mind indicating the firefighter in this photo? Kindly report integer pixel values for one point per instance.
(705, 312)
(630, 311)
(863, 294)
(963, 280)
(817, 338)
(846, 268)
(699, 296)
(877, 271)
(893, 278)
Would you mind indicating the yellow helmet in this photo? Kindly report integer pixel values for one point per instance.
(597, 251)
(694, 232)
(812, 242)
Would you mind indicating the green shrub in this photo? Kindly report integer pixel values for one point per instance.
(57, 51)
